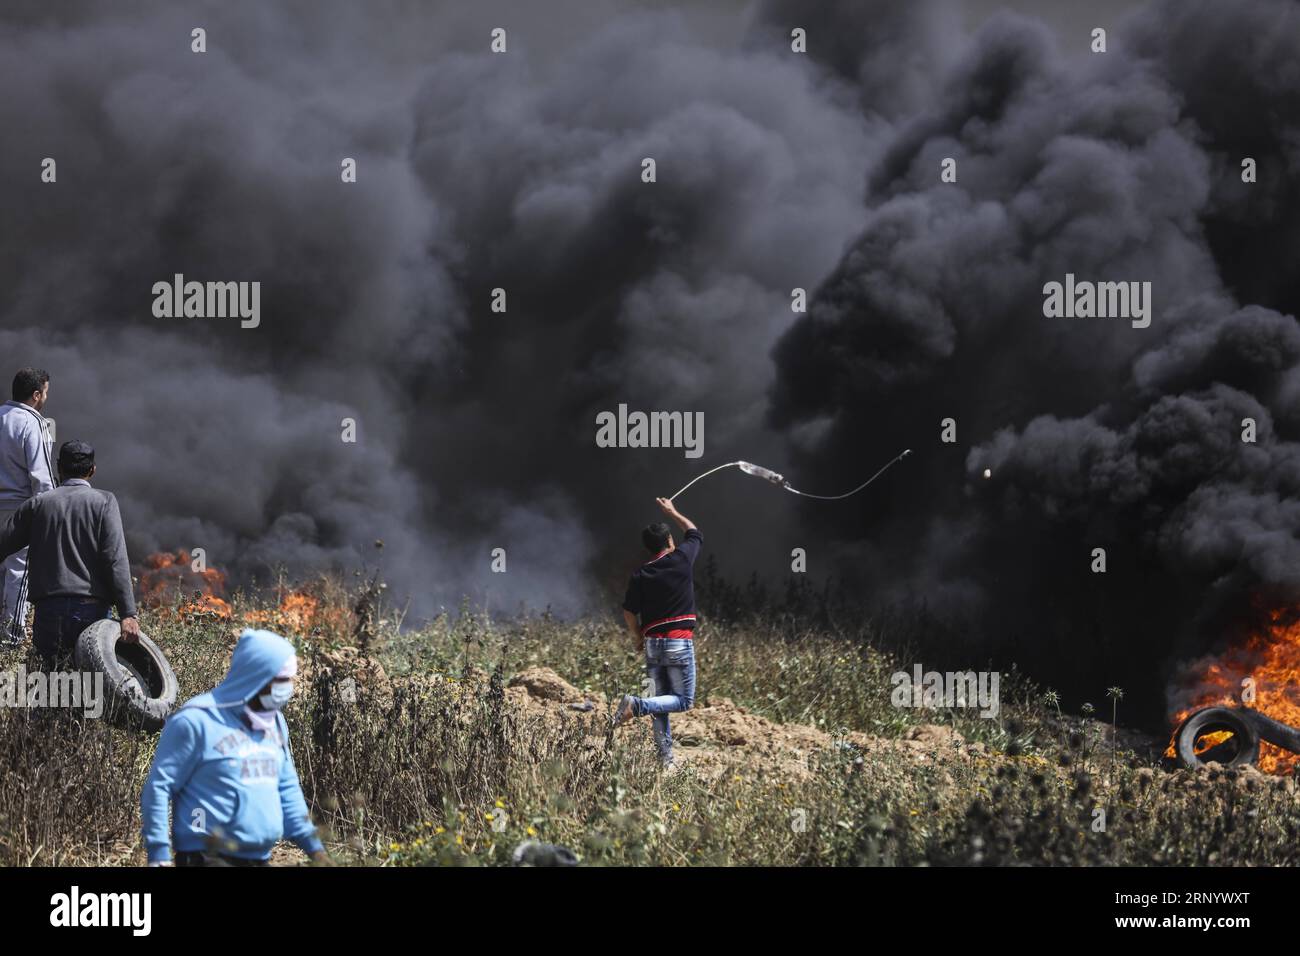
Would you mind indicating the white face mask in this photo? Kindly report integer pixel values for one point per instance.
(281, 691)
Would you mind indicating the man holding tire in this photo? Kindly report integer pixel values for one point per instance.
(77, 568)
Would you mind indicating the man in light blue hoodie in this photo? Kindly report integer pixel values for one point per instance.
(224, 765)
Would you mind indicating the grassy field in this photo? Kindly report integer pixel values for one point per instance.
(413, 749)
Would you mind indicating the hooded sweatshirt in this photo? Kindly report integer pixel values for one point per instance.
(235, 789)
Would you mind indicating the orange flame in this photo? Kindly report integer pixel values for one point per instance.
(172, 587)
(298, 612)
(1267, 662)
(170, 584)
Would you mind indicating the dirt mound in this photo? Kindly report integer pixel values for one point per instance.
(351, 671)
(935, 735)
(544, 684)
(720, 736)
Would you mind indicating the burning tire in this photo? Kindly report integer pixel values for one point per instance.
(139, 684)
(1224, 736)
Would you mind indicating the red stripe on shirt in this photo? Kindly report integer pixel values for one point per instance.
(668, 620)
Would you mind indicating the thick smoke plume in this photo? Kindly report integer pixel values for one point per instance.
(476, 171)
(1122, 167)
(481, 171)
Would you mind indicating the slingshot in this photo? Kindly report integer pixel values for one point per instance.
(759, 471)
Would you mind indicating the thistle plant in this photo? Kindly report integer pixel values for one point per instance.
(1116, 694)
(1052, 699)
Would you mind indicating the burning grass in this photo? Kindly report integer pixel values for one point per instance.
(419, 752)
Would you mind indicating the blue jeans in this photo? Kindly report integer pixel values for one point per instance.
(59, 622)
(670, 667)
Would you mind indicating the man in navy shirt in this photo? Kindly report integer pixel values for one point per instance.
(659, 609)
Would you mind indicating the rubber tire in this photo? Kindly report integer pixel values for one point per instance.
(1209, 719)
(139, 684)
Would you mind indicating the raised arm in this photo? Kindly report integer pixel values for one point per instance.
(671, 511)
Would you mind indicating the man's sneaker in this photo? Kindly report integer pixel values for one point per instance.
(625, 710)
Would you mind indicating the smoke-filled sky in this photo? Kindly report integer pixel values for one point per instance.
(775, 170)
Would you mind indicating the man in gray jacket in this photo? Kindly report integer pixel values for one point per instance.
(77, 564)
(24, 473)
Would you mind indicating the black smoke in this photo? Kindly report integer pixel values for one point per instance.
(1117, 166)
(476, 171)
(479, 171)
